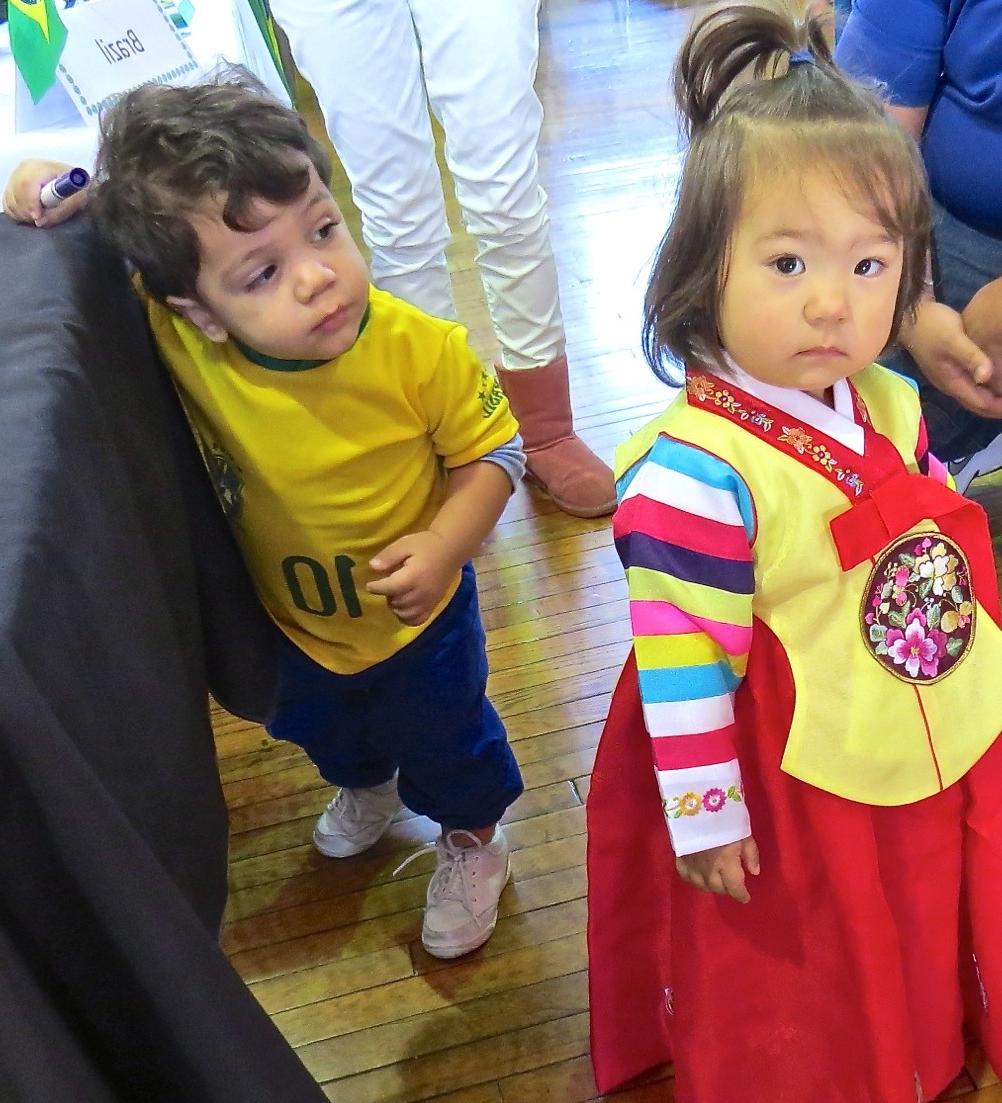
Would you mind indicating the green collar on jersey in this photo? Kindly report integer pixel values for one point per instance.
(272, 363)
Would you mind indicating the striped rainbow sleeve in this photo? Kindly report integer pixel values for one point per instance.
(683, 530)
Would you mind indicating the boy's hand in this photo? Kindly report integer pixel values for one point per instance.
(721, 869)
(418, 569)
(20, 198)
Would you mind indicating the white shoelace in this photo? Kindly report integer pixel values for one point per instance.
(346, 805)
(451, 881)
(354, 811)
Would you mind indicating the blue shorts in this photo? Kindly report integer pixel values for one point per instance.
(423, 712)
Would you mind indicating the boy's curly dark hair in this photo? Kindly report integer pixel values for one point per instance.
(165, 149)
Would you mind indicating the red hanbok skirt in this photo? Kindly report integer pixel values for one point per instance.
(871, 932)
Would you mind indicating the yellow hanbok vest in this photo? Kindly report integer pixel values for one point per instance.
(893, 642)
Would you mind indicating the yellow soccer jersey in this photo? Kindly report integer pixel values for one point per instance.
(318, 469)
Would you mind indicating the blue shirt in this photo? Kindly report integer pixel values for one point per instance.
(946, 54)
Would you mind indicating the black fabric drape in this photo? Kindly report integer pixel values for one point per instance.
(122, 599)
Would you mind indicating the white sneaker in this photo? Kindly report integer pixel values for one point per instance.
(969, 468)
(462, 907)
(355, 819)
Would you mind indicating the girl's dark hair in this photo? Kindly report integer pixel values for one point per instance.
(749, 114)
(164, 149)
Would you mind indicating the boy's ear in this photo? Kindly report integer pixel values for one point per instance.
(200, 316)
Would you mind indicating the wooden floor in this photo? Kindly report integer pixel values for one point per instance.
(331, 948)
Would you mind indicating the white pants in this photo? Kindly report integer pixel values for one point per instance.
(371, 62)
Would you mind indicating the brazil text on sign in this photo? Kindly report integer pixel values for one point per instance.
(115, 45)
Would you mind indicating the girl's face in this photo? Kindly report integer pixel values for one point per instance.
(810, 287)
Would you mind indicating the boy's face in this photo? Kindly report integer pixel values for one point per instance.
(295, 288)
(811, 285)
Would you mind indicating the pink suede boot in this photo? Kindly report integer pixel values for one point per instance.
(558, 460)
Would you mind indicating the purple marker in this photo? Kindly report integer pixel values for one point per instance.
(55, 191)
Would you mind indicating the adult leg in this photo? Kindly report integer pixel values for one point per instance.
(362, 58)
(479, 65)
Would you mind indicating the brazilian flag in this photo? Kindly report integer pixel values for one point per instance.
(37, 38)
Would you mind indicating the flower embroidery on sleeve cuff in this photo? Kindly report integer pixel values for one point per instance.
(692, 804)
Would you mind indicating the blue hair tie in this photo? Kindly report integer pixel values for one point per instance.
(801, 57)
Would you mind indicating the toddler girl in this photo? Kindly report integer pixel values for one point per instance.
(815, 615)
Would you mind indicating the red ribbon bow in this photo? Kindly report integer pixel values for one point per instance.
(896, 505)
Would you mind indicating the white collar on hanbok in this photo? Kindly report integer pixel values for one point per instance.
(839, 423)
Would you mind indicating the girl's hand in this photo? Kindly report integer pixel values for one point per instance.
(721, 869)
(418, 570)
(20, 198)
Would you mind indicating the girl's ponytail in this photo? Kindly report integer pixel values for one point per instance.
(738, 42)
(759, 93)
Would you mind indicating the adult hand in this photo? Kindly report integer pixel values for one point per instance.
(982, 318)
(951, 360)
(20, 197)
(721, 869)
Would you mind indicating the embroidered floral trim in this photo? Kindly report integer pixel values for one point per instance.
(702, 388)
(797, 439)
(918, 609)
(692, 804)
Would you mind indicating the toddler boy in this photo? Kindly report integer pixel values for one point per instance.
(361, 454)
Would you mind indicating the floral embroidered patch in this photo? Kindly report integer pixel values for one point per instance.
(918, 609)
(691, 804)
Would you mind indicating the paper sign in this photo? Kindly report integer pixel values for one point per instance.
(115, 45)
